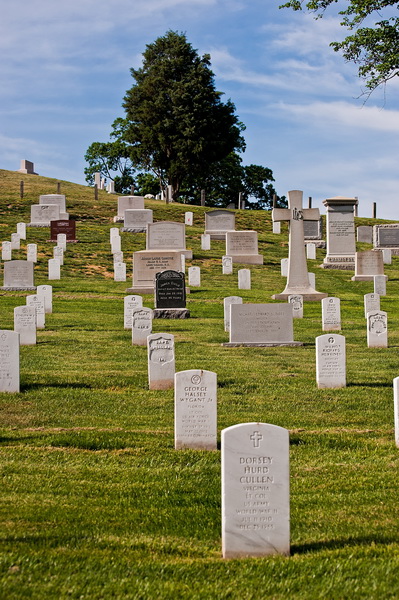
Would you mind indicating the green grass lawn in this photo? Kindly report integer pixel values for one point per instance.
(95, 501)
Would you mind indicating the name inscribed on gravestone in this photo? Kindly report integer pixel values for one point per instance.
(195, 410)
(64, 226)
(255, 490)
(331, 314)
(141, 325)
(262, 324)
(170, 290)
(18, 274)
(161, 361)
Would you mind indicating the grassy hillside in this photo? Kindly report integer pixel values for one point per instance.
(97, 504)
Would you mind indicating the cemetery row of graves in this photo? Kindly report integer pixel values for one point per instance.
(185, 389)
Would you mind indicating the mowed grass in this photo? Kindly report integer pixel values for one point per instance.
(95, 501)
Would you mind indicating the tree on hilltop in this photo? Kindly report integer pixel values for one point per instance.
(374, 43)
(176, 122)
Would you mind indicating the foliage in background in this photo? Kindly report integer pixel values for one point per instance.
(374, 43)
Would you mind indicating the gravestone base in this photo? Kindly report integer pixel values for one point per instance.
(66, 241)
(307, 295)
(248, 259)
(216, 235)
(341, 263)
(317, 243)
(362, 278)
(38, 224)
(17, 289)
(171, 313)
(260, 344)
(146, 290)
(133, 229)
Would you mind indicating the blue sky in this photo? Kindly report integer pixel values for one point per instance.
(65, 68)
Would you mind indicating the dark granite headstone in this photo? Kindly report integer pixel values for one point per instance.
(170, 290)
(63, 226)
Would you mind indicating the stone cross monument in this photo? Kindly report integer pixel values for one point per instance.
(298, 279)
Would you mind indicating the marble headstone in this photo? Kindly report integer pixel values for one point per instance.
(255, 491)
(194, 276)
(136, 220)
(205, 241)
(227, 302)
(396, 409)
(380, 284)
(331, 314)
(42, 214)
(37, 302)
(341, 242)
(18, 275)
(330, 361)
(377, 329)
(227, 265)
(129, 304)
(167, 235)
(147, 263)
(46, 292)
(141, 325)
(31, 252)
(9, 361)
(6, 250)
(119, 271)
(242, 246)
(25, 324)
(296, 302)
(364, 234)
(217, 222)
(195, 410)
(371, 302)
(368, 264)
(161, 361)
(54, 269)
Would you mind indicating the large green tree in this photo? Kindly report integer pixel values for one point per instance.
(176, 122)
(373, 42)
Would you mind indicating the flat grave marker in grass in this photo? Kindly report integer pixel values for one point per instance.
(330, 361)
(196, 410)
(255, 491)
(9, 361)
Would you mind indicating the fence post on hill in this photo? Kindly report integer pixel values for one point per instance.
(95, 192)
(132, 190)
(21, 189)
(374, 216)
(310, 202)
(58, 187)
(202, 197)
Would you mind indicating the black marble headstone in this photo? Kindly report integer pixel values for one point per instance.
(170, 290)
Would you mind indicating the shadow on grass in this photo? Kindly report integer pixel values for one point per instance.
(344, 543)
(68, 386)
(374, 384)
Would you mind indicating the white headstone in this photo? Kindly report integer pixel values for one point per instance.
(161, 361)
(330, 361)
(227, 265)
(113, 232)
(115, 244)
(194, 276)
(296, 301)
(25, 324)
(188, 218)
(242, 246)
(15, 241)
(62, 241)
(167, 235)
(54, 269)
(396, 409)
(217, 222)
(58, 199)
(129, 203)
(380, 285)
(195, 410)
(311, 251)
(119, 271)
(312, 280)
(205, 241)
(21, 230)
(31, 252)
(284, 267)
(364, 233)
(146, 263)
(46, 292)
(387, 256)
(129, 304)
(58, 252)
(6, 250)
(244, 279)
(255, 491)
(183, 262)
(118, 257)
(141, 325)
(9, 361)
(276, 227)
(371, 302)
(261, 325)
(227, 302)
(331, 314)
(377, 329)
(136, 220)
(297, 279)
(42, 214)
(37, 302)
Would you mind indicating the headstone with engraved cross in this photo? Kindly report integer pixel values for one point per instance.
(298, 279)
(255, 490)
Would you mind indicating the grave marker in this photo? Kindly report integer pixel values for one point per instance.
(227, 265)
(261, 325)
(42, 214)
(387, 236)
(296, 302)
(331, 314)
(368, 264)
(54, 269)
(227, 302)
(6, 251)
(380, 285)
(15, 241)
(9, 361)
(195, 410)
(37, 302)
(297, 279)
(146, 263)
(58, 252)
(311, 251)
(396, 409)
(161, 361)
(170, 295)
(330, 361)
(128, 203)
(167, 235)
(62, 241)
(194, 276)
(188, 218)
(276, 227)
(255, 491)
(136, 220)
(242, 246)
(63, 226)
(284, 267)
(377, 329)
(341, 243)
(364, 234)
(46, 293)
(244, 279)
(129, 304)
(371, 302)
(141, 325)
(31, 252)
(25, 324)
(218, 222)
(205, 241)
(18, 275)
(119, 271)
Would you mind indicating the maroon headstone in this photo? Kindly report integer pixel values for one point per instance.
(63, 226)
